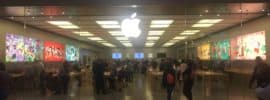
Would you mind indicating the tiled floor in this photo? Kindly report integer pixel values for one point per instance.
(227, 87)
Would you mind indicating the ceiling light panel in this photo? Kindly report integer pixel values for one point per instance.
(102, 41)
(108, 44)
(155, 32)
(121, 38)
(149, 44)
(116, 33)
(111, 26)
(153, 38)
(69, 27)
(210, 21)
(58, 23)
(161, 22)
(202, 25)
(125, 41)
(95, 38)
(107, 22)
(179, 37)
(81, 32)
(159, 26)
(127, 44)
(86, 34)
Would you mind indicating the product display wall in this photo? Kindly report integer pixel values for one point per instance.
(22, 49)
(26, 49)
(244, 47)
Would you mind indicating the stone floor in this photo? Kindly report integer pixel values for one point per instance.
(223, 87)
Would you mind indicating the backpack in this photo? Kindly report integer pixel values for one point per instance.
(170, 78)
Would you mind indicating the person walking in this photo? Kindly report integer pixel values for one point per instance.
(188, 79)
(64, 77)
(169, 79)
(261, 75)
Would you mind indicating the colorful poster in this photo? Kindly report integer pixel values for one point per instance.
(32, 49)
(72, 53)
(14, 48)
(248, 47)
(22, 49)
(204, 51)
(221, 50)
(54, 51)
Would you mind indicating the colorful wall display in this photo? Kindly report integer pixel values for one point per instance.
(72, 53)
(203, 51)
(54, 51)
(221, 50)
(247, 47)
(20, 49)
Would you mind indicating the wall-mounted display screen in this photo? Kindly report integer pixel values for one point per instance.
(221, 50)
(203, 51)
(116, 55)
(54, 51)
(72, 53)
(19, 49)
(248, 47)
(139, 55)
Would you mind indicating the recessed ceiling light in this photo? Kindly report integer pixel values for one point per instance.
(210, 21)
(108, 44)
(111, 26)
(121, 38)
(179, 37)
(202, 25)
(127, 44)
(81, 32)
(153, 38)
(173, 41)
(107, 22)
(187, 33)
(86, 34)
(161, 22)
(116, 33)
(159, 26)
(155, 32)
(58, 23)
(69, 26)
(149, 44)
(168, 44)
(95, 38)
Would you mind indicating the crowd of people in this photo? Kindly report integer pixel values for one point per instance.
(115, 75)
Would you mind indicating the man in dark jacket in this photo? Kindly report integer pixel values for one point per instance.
(4, 82)
(188, 79)
(261, 74)
(169, 79)
(98, 75)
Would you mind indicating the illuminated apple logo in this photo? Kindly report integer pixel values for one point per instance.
(130, 26)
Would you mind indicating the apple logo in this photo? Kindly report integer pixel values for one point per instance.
(130, 26)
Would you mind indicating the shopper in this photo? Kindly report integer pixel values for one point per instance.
(4, 82)
(98, 75)
(169, 79)
(261, 74)
(64, 77)
(188, 79)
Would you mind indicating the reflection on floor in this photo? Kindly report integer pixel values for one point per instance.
(207, 87)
